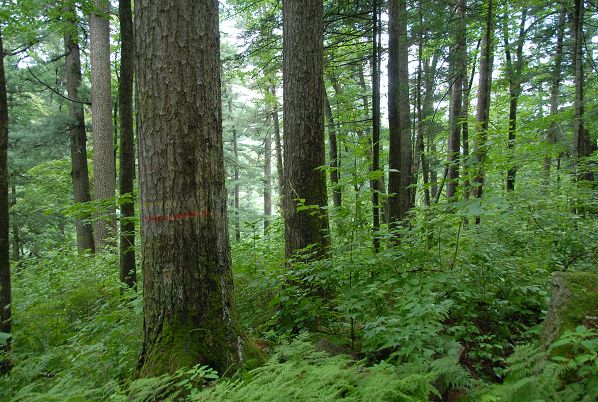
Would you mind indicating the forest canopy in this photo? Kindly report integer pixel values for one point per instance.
(276, 200)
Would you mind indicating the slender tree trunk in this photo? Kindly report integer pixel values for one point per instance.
(101, 118)
(459, 62)
(189, 312)
(552, 134)
(303, 29)
(514, 71)
(420, 115)
(277, 143)
(237, 194)
(5, 291)
(333, 150)
(267, 179)
(375, 184)
(427, 112)
(582, 147)
(483, 108)
(77, 134)
(400, 155)
(16, 237)
(128, 273)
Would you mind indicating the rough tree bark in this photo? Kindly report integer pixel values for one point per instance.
(104, 169)
(128, 273)
(400, 153)
(483, 108)
(304, 153)
(77, 134)
(5, 291)
(459, 68)
(189, 313)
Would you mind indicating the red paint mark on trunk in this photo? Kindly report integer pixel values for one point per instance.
(177, 217)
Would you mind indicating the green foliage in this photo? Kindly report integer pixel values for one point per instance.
(298, 372)
(77, 332)
(536, 374)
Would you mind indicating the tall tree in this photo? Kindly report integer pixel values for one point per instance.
(400, 153)
(514, 72)
(376, 58)
(304, 152)
(127, 145)
(76, 128)
(555, 84)
(459, 69)
(104, 169)
(189, 313)
(267, 177)
(5, 291)
(483, 107)
(333, 151)
(582, 146)
(277, 141)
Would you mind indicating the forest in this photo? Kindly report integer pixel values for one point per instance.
(299, 200)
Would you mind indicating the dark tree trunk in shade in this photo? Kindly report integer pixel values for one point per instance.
(77, 134)
(333, 150)
(400, 153)
(304, 153)
(553, 131)
(514, 71)
(267, 179)
(483, 107)
(104, 168)
(127, 145)
(5, 291)
(189, 313)
(459, 68)
(582, 146)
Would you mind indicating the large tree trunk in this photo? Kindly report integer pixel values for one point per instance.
(459, 68)
(77, 134)
(189, 313)
(104, 169)
(5, 292)
(127, 145)
(582, 146)
(400, 154)
(267, 179)
(552, 135)
(483, 108)
(514, 71)
(304, 126)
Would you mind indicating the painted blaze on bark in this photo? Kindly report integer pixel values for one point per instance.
(189, 313)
